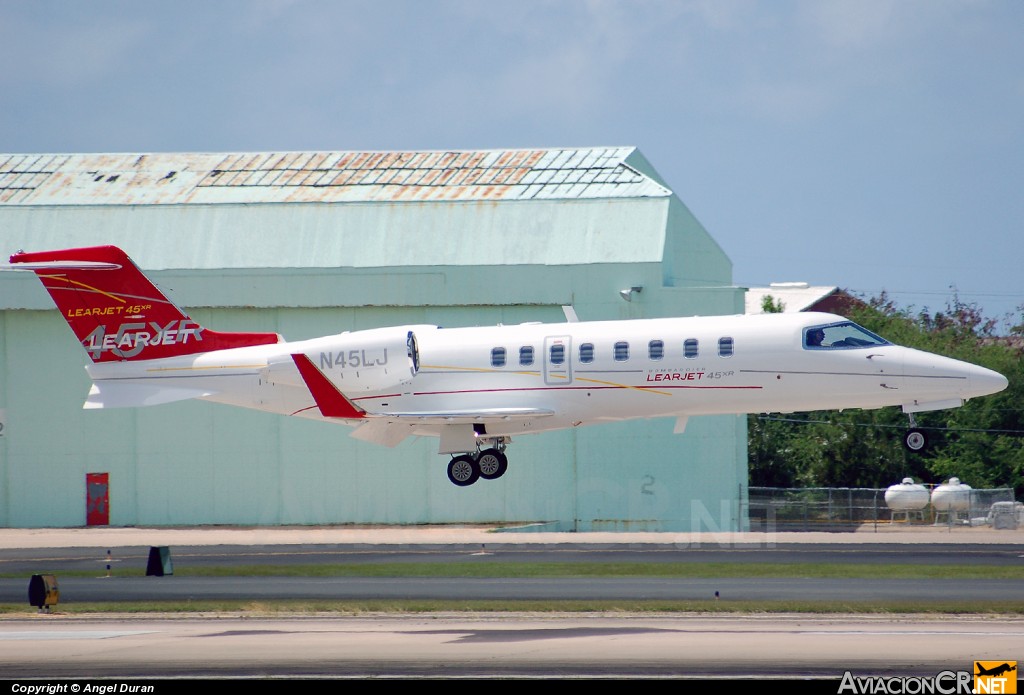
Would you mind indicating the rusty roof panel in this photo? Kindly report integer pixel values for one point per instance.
(269, 177)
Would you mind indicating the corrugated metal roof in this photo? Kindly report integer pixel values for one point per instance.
(210, 178)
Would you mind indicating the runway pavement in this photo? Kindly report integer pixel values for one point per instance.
(506, 646)
(110, 537)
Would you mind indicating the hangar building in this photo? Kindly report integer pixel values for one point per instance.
(314, 243)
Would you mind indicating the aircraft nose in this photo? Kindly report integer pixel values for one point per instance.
(933, 378)
(985, 381)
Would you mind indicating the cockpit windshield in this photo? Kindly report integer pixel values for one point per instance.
(842, 335)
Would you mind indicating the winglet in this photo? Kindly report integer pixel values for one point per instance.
(328, 398)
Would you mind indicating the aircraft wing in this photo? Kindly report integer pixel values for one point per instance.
(456, 417)
(129, 394)
(391, 428)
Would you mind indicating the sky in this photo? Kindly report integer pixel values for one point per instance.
(874, 145)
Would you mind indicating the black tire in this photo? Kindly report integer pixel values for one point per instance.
(915, 441)
(463, 470)
(492, 464)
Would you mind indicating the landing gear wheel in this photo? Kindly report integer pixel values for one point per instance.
(463, 470)
(492, 464)
(915, 441)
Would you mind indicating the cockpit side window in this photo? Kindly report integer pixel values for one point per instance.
(844, 335)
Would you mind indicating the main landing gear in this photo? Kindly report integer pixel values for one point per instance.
(489, 464)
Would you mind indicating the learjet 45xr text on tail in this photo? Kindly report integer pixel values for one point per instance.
(476, 388)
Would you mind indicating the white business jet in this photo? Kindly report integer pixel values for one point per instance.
(476, 388)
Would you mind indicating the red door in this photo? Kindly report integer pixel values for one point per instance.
(97, 502)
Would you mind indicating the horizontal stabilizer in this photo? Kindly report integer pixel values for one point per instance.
(64, 265)
(127, 394)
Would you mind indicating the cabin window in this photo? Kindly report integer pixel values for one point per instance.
(725, 347)
(557, 354)
(690, 348)
(586, 353)
(621, 351)
(498, 357)
(656, 349)
(526, 355)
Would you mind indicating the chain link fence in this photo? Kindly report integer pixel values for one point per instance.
(834, 509)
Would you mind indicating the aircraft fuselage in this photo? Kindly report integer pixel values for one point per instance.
(573, 373)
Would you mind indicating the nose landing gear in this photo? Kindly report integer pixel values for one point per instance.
(914, 439)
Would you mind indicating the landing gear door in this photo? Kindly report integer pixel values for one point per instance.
(558, 360)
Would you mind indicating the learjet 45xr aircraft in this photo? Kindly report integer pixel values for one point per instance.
(476, 388)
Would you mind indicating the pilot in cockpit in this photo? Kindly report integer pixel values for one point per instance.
(815, 337)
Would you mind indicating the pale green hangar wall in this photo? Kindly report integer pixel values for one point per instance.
(311, 269)
(199, 463)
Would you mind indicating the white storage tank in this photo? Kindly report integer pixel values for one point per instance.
(907, 496)
(952, 496)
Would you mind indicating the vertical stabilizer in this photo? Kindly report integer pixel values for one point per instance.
(117, 313)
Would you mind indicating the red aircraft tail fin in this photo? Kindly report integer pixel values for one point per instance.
(117, 313)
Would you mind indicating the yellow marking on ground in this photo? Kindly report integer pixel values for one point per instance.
(88, 287)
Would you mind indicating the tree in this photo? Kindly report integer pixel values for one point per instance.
(771, 305)
(979, 442)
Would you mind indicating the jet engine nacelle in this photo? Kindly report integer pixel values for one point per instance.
(371, 360)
